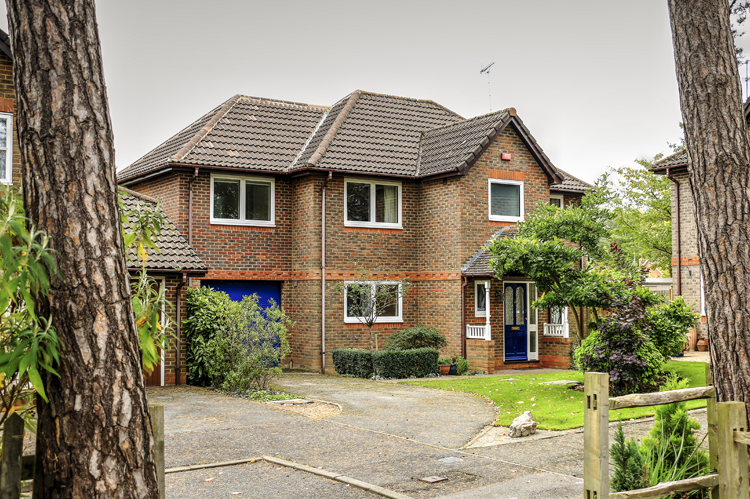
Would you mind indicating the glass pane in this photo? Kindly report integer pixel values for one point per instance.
(358, 300)
(532, 299)
(257, 201)
(3, 133)
(506, 200)
(481, 298)
(386, 204)
(388, 305)
(556, 316)
(227, 199)
(3, 158)
(556, 202)
(520, 305)
(358, 202)
(532, 341)
(508, 308)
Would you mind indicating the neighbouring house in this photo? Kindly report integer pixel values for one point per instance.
(10, 154)
(170, 266)
(286, 200)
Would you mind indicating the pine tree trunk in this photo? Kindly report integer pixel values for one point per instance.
(718, 165)
(95, 432)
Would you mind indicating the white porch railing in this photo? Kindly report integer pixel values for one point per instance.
(557, 330)
(478, 332)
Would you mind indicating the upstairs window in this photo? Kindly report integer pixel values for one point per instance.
(556, 201)
(505, 200)
(242, 201)
(6, 148)
(372, 204)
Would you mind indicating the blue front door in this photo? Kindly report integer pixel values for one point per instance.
(516, 321)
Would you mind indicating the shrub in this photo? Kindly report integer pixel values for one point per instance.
(420, 336)
(462, 365)
(398, 364)
(353, 362)
(209, 313)
(622, 347)
(628, 464)
(670, 324)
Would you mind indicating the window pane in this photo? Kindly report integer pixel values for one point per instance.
(358, 202)
(532, 341)
(532, 298)
(358, 300)
(506, 200)
(556, 316)
(481, 298)
(520, 307)
(257, 201)
(508, 308)
(227, 199)
(3, 133)
(388, 294)
(555, 202)
(386, 204)
(3, 166)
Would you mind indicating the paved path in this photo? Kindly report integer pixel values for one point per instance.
(387, 435)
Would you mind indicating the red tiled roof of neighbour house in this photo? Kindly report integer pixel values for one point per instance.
(174, 255)
(479, 264)
(373, 133)
(570, 183)
(246, 133)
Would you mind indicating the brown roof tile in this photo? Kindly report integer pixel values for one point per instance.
(570, 183)
(479, 264)
(679, 158)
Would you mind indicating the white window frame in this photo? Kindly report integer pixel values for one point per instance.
(242, 221)
(478, 313)
(560, 197)
(381, 319)
(504, 218)
(8, 179)
(371, 224)
(703, 295)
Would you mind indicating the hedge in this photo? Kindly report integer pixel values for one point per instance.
(353, 361)
(399, 364)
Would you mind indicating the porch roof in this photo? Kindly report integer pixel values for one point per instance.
(479, 264)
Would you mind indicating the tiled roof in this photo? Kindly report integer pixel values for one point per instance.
(174, 252)
(452, 147)
(677, 159)
(479, 264)
(246, 133)
(570, 183)
(374, 133)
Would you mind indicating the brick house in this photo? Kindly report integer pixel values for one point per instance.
(285, 199)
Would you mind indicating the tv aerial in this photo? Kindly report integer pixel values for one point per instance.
(486, 70)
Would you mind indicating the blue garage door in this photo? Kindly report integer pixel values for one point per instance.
(266, 290)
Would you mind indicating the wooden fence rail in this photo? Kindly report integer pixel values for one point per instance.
(16, 467)
(727, 442)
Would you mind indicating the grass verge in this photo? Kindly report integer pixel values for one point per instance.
(555, 407)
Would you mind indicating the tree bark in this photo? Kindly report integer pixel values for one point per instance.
(94, 434)
(718, 166)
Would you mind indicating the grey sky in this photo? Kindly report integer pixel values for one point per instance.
(593, 80)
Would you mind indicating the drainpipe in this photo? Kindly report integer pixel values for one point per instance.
(679, 241)
(178, 347)
(463, 317)
(323, 275)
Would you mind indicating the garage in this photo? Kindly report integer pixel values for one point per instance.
(266, 290)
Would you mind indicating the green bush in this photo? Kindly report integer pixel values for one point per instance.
(462, 365)
(670, 324)
(355, 362)
(419, 336)
(399, 364)
(627, 461)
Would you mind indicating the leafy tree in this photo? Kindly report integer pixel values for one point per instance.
(370, 296)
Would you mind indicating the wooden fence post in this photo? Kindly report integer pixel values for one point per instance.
(712, 429)
(10, 467)
(732, 456)
(157, 428)
(596, 436)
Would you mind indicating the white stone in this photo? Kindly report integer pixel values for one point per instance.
(523, 426)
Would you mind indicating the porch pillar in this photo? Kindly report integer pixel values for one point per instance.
(487, 326)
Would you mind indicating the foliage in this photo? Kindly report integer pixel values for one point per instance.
(268, 395)
(462, 365)
(370, 296)
(622, 347)
(399, 364)
(671, 451)
(208, 314)
(246, 354)
(555, 407)
(642, 206)
(141, 229)
(549, 248)
(419, 336)
(353, 362)
(670, 324)
(29, 343)
(627, 463)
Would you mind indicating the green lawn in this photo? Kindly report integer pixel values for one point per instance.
(555, 407)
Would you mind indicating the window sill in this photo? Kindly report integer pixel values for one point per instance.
(482, 315)
(241, 223)
(381, 320)
(371, 225)
(497, 218)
